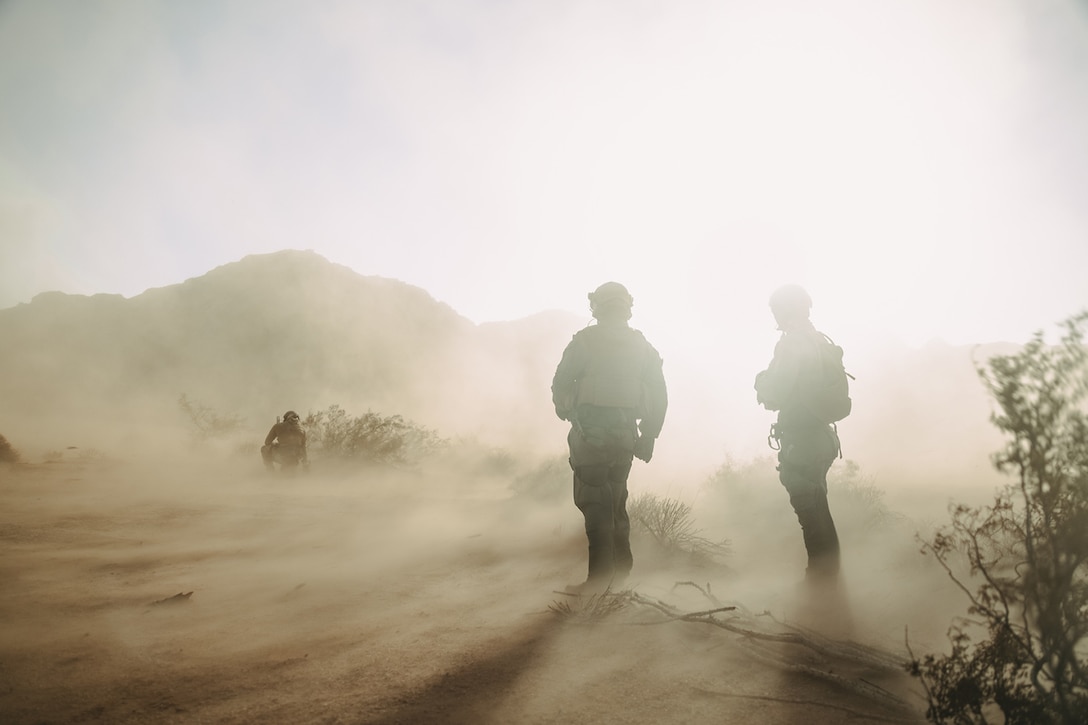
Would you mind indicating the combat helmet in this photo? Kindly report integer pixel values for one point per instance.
(610, 296)
(290, 416)
(791, 300)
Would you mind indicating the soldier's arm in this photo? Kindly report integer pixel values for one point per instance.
(565, 380)
(271, 435)
(775, 385)
(657, 396)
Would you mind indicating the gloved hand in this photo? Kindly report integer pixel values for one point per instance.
(644, 448)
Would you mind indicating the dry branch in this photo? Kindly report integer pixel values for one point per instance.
(598, 607)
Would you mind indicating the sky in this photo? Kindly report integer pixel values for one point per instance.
(920, 166)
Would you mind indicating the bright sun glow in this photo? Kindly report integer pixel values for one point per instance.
(890, 156)
(853, 152)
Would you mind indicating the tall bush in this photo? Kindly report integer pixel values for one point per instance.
(1021, 654)
(207, 422)
(8, 454)
(371, 437)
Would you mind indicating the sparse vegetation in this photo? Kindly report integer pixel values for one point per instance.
(856, 497)
(496, 461)
(592, 608)
(371, 438)
(550, 481)
(669, 522)
(87, 455)
(858, 500)
(1021, 656)
(8, 454)
(207, 422)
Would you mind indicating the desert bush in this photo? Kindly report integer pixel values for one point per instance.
(733, 477)
(550, 481)
(371, 437)
(749, 491)
(495, 462)
(847, 485)
(87, 455)
(207, 422)
(8, 454)
(670, 524)
(591, 609)
(469, 456)
(858, 501)
(1021, 655)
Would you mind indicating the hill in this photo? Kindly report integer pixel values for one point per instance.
(293, 330)
(258, 336)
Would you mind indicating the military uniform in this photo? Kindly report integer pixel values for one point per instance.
(806, 445)
(610, 386)
(285, 443)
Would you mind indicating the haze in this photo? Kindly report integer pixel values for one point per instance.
(463, 173)
(918, 166)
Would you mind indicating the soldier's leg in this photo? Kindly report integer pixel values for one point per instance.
(266, 456)
(593, 497)
(824, 559)
(621, 523)
(803, 464)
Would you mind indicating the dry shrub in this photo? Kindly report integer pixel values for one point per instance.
(550, 481)
(1021, 655)
(370, 438)
(670, 524)
(8, 454)
(587, 609)
(208, 423)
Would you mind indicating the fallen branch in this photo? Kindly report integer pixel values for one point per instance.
(705, 592)
(598, 607)
(809, 640)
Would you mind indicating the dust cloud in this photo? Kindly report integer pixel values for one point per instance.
(421, 594)
(157, 572)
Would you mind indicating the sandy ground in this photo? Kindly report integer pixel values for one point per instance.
(380, 599)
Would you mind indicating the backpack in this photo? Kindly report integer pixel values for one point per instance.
(828, 394)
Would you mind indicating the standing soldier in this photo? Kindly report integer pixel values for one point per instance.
(285, 443)
(610, 386)
(806, 384)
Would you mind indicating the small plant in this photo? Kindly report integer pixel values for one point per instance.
(208, 423)
(1022, 655)
(669, 522)
(371, 437)
(8, 454)
(550, 481)
(858, 499)
(592, 608)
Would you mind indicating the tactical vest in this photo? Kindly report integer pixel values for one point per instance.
(290, 436)
(613, 376)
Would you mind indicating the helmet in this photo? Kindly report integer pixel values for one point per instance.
(289, 416)
(610, 295)
(791, 298)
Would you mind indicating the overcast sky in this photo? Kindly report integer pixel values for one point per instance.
(920, 165)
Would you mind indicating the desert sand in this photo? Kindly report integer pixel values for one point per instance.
(217, 593)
